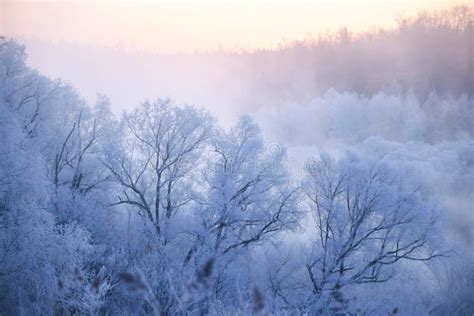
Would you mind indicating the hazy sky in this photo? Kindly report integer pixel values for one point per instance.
(185, 26)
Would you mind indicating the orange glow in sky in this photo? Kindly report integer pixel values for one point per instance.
(187, 26)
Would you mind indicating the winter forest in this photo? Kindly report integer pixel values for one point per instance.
(342, 182)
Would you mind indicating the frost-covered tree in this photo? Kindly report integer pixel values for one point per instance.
(367, 219)
(49, 155)
(153, 163)
(248, 201)
(39, 258)
(160, 145)
(64, 127)
(250, 197)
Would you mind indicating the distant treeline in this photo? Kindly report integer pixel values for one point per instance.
(432, 51)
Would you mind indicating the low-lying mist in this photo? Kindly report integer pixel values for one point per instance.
(429, 53)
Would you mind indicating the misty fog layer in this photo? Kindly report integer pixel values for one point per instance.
(327, 176)
(432, 52)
